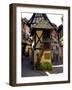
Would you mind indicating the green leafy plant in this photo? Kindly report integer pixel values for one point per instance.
(44, 66)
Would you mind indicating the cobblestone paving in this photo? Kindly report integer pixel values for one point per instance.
(56, 70)
(28, 71)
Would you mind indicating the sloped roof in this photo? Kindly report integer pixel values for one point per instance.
(43, 24)
(60, 28)
(40, 20)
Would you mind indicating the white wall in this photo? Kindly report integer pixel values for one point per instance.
(4, 45)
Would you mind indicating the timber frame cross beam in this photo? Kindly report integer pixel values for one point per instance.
(39, 39)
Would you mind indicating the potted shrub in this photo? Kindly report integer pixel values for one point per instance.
(44, 66)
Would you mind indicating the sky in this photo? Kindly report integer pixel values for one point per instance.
(54, 18)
